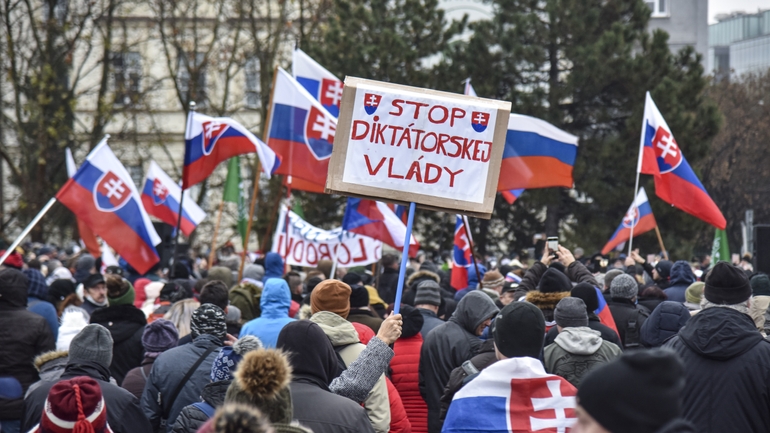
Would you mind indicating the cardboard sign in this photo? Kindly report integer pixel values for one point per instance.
(307, 244)
(405, 144)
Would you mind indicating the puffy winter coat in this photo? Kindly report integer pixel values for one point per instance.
(246, 297)
(430, 321)
(448, 346)
(404, 375)
(681, 278)
(136, 378)
(274, 303)
(126, 324)
(576, 351)
(727, 383)
(629, 319)
(123, 412)
(192, 418)
(51, 365)
(365, 317)
(664, 322)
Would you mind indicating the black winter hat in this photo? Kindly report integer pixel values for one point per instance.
(727, 284)
(518, 330)
(554, 281)
(587, 293)
(351, 279)
(359, 296)
(760, 285)
(93, 280)
(636, 393)
(664, 268)
(60, 289)
(413, 321)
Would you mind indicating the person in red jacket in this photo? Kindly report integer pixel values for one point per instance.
(404, 366)
(399, 422)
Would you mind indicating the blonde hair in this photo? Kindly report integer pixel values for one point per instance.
(180, 314)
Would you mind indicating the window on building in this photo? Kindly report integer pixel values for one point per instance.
(136, 173)
(189, 64)
(127, 77)
(659, 8)
(253, 96)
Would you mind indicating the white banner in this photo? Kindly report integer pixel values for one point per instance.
(307, 244)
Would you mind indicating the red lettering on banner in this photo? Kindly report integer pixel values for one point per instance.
(428, 178)
(452, 175)
(369, 165)
(363, 257)
(396, 103)
(417, 106)
(354, 134)
(323, 252)
(390, 170)
(300, 245)
(444, 113)
(457, 113)
(314, 260)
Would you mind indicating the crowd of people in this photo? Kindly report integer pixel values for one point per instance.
(559, 344)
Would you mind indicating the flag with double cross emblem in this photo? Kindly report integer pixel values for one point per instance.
(161, 196)
(103, 196)
(322, 85)
(675, 181)
(371, 102)
(639, 217)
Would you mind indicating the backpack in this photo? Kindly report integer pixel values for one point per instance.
(340, 361)
(633, 329)
(206, 408)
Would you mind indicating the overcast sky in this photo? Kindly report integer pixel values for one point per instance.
(726, 6)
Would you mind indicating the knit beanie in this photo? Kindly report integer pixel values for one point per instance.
(92, 344)
(413, 321)
(75, 405)
(59, 290)
(760, 285)
(635, 393)
(492, 279)
(333, 296)
(262, 380)
(119, 291)
(727, 285)
(554, 281)
(571, 313)
(352, 278)
(180, 271)
(221, 273)
(36, 286)
(611, 275)
(208, 319)
(226, 362)
(624, 287)
(518, 330)
(159, 336)
(694, 292)
(587, 293)
(359, 296)
(428, 292)
(254, 272)
(14, 260)
(664, 269)
(238, 418)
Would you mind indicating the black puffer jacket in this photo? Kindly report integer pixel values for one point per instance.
(681, 278)
(664, 322)
(126, 324)
(459, 377)
(448, 346)
(727, 384)
(191, 418)
(23, 336)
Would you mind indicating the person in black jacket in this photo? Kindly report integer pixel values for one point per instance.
(664, 322)
(629, 317)
(659, 273)
(587, 293)
(23, 336)
(126, 324)
(727, 380)
(388, 280)
(90, 355)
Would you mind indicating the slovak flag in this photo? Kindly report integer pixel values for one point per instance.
(639, 217)
(513, 395)
(469, 90)
(604, 313)
(103, 195)
(211, 140)
(377, 220)
(461, 255)
(318, 81)
(536, 155)
(301, 132)
(512, 195)
(161, 195)
(675, 182)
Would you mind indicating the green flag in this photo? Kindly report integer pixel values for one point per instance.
(297, 209)
(234, 193)
(720, 250)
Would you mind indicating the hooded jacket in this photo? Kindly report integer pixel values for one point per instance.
(191, 418)
(50, 365)
(23, 336)
(314, 366)
(681, 278)
(274, 303)
(576, 351)
(448, 346)
(594, 323)
(246, 297)
(126, 325)
(273, 267)
(664, 322)
(727, 383)
(346, 343)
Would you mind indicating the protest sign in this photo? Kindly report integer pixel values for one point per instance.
(307, 244)
(405, 144)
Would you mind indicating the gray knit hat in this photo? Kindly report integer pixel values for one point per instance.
(253, 271)
(428, 293)
(571, 313)
(624, 286)
(92, 344)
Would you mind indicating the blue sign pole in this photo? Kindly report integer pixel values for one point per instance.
(404, 259)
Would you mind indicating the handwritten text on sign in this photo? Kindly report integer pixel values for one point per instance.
(436, 146)
(306, 244)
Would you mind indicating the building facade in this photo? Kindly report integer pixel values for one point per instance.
(739, 44)
(685, 21)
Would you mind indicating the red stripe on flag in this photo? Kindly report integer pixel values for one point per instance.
(226, 148)
(530, 172)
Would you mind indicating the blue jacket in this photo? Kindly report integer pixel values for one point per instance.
(37, 293)
(473, 280)
(681, 278)
(275, 303)
(664, 322)
(273, 266)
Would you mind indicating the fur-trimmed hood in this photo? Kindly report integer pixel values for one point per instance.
(545, 300)
(420, 275)
(51, 359)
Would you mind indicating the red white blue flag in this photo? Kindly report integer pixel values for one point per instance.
(378, 221)
(639, 217)
(675, 181)
(324, 86)
(461, 255)
(87, 235)
(211, 140)
(301, 132)
(103, 195)
(512, 195)
(161, 195)
(536, 155)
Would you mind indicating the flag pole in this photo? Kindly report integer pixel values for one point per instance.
(251, 217)
(181, 199)
(404, 259)
(473, 250)
(660, 242)
(638, 171)
(28, 229)
(212, 254)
